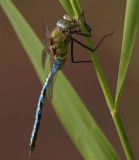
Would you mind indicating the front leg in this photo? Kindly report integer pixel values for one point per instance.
(87, 26)
(80, 33)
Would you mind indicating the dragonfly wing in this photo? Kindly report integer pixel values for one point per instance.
(50, 87)
(44, 55)
(46, 33)
(55, 66)
(46, 43)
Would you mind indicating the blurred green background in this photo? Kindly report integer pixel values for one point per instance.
(20, 86)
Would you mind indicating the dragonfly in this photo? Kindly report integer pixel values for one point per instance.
(57, 45)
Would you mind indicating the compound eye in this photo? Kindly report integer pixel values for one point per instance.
(67, 17)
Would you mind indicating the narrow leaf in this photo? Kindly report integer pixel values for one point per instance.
(67, 5)
(130, 30)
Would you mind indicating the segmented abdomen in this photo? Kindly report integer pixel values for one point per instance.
(55, 67)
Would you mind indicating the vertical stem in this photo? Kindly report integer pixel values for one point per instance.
(122, 136)
(105, 88)
(95, 60)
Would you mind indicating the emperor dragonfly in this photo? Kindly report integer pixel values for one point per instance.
(57, 45)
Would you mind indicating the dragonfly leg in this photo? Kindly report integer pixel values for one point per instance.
(80, 33)
(79, 30)
(102, 40)
(87, 26)
(89, 47)
(72, 58)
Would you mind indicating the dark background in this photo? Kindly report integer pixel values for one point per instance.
(20, 86)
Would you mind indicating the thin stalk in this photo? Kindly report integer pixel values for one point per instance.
(122, 135)
(105, 88)
(94, 58)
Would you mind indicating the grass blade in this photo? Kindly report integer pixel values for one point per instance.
(79, 124)
(67, 5)
(130, 30)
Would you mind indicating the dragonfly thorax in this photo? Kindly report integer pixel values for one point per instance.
(66, 22)
(59, 43)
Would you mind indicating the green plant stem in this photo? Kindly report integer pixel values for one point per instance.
(105, 88)
(122, 135)
(95, 60)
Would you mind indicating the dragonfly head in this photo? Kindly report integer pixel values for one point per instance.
(67, 22)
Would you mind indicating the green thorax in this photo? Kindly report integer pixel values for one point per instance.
(60, 43)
